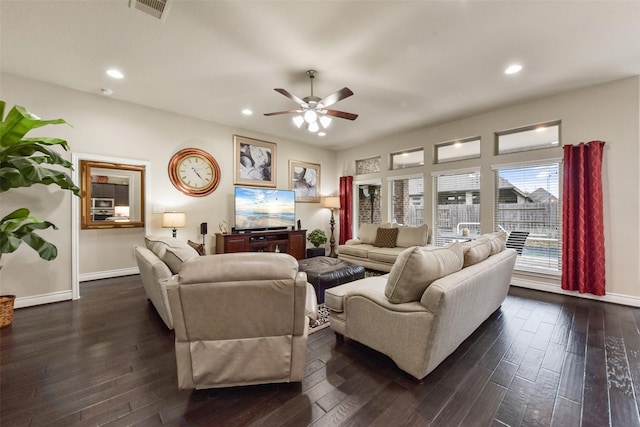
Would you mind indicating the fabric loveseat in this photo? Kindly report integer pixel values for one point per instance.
(378, 245)
(158, 260)
(429, 303)
(240, 319)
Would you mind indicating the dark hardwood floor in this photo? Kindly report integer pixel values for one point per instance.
(107, 359)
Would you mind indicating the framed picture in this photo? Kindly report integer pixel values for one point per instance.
(304, 180)
(255, 162)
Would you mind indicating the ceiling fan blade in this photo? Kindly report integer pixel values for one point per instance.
(343, 93)
(341, 114)
(282, 112)
(292, 97)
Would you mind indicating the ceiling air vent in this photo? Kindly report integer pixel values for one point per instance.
(156, 8)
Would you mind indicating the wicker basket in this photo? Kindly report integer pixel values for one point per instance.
(6, 310)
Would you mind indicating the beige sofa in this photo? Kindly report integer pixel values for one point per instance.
(158, 260)
(240, 319)
(429, 303)
(378, 245)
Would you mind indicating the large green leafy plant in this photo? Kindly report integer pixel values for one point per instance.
(23, 163)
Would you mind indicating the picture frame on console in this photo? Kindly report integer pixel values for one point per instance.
(304, 180)
(254, 162)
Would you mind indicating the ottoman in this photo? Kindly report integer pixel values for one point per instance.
(325, 272)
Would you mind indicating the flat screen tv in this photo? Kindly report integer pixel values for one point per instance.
(259, 209)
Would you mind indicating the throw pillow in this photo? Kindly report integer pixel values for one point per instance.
(174, 256)
(367, 232)
(198, 247)
(158, 244)
(498, 241)
(412, 236)
(476, 251)
(386, 238)
(417, 267)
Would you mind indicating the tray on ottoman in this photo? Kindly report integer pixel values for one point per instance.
(325, 272)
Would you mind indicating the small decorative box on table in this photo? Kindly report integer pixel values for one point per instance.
(325, 272)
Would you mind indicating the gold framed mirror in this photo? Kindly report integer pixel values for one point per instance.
(112, 195)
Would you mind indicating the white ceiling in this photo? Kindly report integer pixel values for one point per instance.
(409, 63)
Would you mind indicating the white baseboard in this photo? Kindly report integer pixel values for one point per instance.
(546, 287)
(107, 274)
(43, 299)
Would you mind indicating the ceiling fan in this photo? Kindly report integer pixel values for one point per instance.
(313, 109)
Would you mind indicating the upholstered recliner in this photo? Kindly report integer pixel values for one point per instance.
(240, 319)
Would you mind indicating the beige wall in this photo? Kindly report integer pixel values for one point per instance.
(609, 112)
(108, 127)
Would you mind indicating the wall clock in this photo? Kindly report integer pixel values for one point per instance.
(194, 172)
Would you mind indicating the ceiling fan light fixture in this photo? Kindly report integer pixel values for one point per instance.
(313, 127)
(298, 121)
(310, 116)
(325, 121)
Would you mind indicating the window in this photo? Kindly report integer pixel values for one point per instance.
(368, 204)
(407, 159)
(530, 138)
(457, 204)
(407, 201)
(527, 200)
(368, 166)
(457, 150)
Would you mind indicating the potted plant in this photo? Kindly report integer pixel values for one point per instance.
(317, 237)
(23, 163)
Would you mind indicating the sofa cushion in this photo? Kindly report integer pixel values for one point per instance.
(385, 255)
(367, 232)
(361, 251)
(386, 237)
(476, 251)
(417, 267)
(412, 236)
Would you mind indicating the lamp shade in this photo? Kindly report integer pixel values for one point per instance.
(331, 202)
(173, 219)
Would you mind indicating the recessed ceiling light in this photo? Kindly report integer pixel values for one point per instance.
(512, 69)
(106, 91)
(321, 133)
(247, 112)
(116, 74)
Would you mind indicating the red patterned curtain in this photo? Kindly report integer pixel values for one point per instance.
(346, 208)
(582, 219)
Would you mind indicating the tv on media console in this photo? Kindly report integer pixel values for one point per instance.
(259, 209)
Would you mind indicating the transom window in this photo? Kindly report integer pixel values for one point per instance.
(407, 158)
(530, 138)
(463, 149)
(365, 166)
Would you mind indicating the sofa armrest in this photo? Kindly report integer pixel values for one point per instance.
(353, 242)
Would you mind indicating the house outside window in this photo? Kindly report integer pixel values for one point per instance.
(457, 205)
(528, 200)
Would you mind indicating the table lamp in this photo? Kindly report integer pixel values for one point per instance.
(332, 203)
(173, 220)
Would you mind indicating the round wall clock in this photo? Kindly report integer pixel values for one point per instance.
(194, 172)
